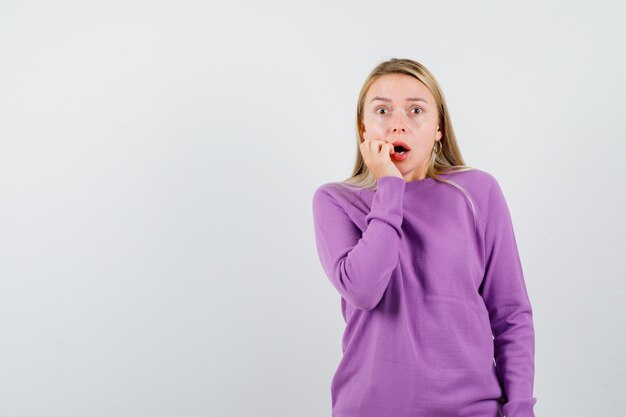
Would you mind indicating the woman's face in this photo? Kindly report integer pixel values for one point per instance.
(400, 107)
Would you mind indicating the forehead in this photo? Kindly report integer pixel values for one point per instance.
(398, 87)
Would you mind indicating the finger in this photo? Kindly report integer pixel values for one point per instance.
(373, 146)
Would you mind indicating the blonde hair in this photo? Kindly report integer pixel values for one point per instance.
(447, 160)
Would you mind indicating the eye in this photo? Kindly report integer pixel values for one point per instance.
(380, 108)
(417, 108)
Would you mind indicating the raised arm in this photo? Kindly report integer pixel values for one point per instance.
(510, 312)
(359, 265)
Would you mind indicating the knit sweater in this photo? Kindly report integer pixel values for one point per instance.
(438, 321)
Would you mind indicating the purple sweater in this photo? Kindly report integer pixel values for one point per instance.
(438, 318)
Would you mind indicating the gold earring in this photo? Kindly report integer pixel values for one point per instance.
(436, 149)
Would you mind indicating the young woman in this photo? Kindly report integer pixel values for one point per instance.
(422, 250)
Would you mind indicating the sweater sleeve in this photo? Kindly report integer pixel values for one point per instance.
(510, 312)
(359, 265)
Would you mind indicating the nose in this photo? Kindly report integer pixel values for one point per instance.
(398, 123)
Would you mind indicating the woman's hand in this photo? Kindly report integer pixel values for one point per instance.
(377, 156)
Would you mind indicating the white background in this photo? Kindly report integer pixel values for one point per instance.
(158, 160)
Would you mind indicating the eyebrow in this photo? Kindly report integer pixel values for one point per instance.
(408, 99)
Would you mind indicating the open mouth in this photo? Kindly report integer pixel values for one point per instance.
(400, 149)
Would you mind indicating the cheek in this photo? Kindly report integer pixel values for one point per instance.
(377, 129)
(373, 128)
(426, 127)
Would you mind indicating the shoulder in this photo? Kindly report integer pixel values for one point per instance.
(484, 190)
(336, 193)
(479, 183)
(473, 178)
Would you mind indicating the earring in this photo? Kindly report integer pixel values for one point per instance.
(437, 149)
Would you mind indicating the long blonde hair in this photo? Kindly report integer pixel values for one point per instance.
(448, 159)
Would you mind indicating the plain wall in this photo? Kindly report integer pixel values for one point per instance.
(158, 161)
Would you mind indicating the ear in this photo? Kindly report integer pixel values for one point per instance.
(439, 133)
